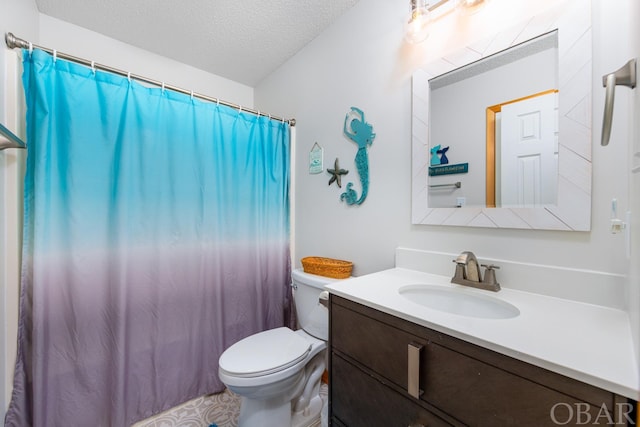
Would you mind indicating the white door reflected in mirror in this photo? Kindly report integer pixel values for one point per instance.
(527, 144)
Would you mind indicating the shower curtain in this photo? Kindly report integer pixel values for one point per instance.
(156, 234)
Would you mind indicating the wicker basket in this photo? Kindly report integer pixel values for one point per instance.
(327, 267)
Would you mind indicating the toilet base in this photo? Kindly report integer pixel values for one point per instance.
(272, 414)
(265, 413)
(281, 410)
(310, 416)
(277, 412)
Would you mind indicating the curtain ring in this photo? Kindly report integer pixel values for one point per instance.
(129, 76)
(240, 109)
(192, 95)
(55, 55)
(218, 101)
(162, 87)
(30, 48)
(93, 67)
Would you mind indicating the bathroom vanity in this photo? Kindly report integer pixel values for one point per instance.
(394, 362)
(458, 383)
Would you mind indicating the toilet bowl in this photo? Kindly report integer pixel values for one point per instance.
(277, 372)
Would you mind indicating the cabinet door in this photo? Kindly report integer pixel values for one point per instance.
(360, 400)
(374, 344)
(480, 394)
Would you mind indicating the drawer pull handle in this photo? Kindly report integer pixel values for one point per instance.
(413, 371)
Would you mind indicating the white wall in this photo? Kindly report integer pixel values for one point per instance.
(14, 14)
(80, 42)
(616, 40)
(634, 188)
(362, 61)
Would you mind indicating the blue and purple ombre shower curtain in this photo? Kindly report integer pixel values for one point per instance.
(156, 234)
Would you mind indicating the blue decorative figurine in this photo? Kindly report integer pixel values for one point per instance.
(435, 159)
(443, 157)
(360, 132)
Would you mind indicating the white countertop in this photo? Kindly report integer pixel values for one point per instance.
(587, 342)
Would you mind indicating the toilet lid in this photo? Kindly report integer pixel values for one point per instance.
(264, 353)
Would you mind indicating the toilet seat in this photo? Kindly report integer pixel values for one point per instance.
(264, 353)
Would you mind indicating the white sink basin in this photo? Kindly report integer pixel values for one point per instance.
(459, 301)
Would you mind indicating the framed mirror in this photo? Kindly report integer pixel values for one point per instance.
(531, 83)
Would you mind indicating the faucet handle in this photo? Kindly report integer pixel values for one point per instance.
(460, 272)
(490, 274)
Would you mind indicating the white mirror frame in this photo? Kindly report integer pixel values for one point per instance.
(572, 212)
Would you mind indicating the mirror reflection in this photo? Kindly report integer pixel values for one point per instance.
(494, 130)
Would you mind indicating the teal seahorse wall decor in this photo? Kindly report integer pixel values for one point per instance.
(359, 131)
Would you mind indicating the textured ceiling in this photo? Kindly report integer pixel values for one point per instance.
(242, 40)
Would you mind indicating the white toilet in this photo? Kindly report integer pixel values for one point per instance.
(277, 372)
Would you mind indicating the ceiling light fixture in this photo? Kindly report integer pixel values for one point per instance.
(470, 3)
(422, 14)
(415, 30)
(471, 6)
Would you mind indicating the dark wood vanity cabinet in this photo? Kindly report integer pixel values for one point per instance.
(458, 383)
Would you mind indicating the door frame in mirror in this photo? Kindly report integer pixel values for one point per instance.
(572, 212)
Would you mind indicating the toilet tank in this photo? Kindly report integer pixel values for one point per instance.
(313, 317)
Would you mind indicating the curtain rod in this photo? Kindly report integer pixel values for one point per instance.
(9, 140)
(15, 42)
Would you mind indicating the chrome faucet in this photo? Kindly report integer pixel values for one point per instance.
(468, 273)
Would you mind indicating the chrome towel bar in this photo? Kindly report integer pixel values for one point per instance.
(453, 184)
